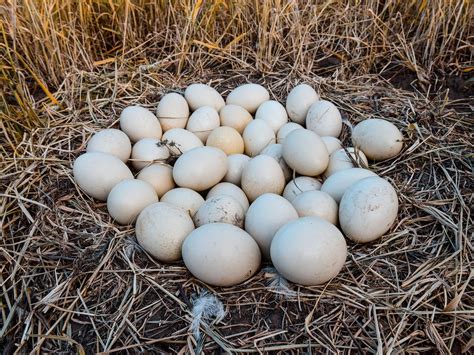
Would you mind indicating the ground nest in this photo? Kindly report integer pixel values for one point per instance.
(73, 281)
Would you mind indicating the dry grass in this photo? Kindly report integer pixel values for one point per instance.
(73, 281)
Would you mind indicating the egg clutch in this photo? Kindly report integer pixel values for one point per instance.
(223, 184)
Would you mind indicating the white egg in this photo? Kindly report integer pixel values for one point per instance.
(128, 198)
(221, 254)
(305, 152)
(160, 176)
(220, 209)
(226, 139)
(226, 188)
(148, 151)
(308, 251)
(276, 152)
(265, 216)
(187, 199)
(161, 229)
(248, 96)
(300, 185)
(339, 182)
(236, 164)
(332, 144)
(317, 204)
(137, 122)
(200, 168)
(172, 111)
(368, 209)
(262, 174)
(286, 129)
(203, 121)
(273, 113)
(257, 135)
(179, 141)
(235, 116)
(111, 141)
(199, 95)
(378, 139)
(345, 159)
(300, 98)
(97, 173)
(324, 119)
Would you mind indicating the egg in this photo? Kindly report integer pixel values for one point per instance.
(111, 141)
(300, 98)
(179, 141)
(317, 204)
(226, 188)
(339, 182)
(138, 123)
(262, 174)
(308, 251)
(187, 199)
(332, 144)
(305, 152)
(378, 139)
(160, 176)
(97, 173)
(226, 139)
(276, 152)
(236, 164)
(128, 198)
(257, 135)
(324, 119)
(344, 159)
(286, 129)
(235, 116)
(248, 96)
(148, 151)
(200, 168)
(221, 254)
(172, 111)
(368, 209)
(199, 95)
(220, 209)
(203, 121)
(299, 185)
(161, 229)
(265, 216)
(273, 113)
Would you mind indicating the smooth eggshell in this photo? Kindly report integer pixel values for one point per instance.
(368, 209)
(236, 117)
(203, 121)
(286, 129)
(317, 204)
(161, 229)
(262, 174)
(226, 188)
(339, 182)
(378, 139)
(179, 141)
(220, 209)
(308, 251)
(257, 136)
(305, 152)
(248, 96)
(148, 151)
(160, 176)
(97, 173)
(265, 216)
(273, 113)
(332, 144)
(276, 152)
(344, 159)
(299, 185)
(172, 111)
(221, 254)
(137, 123)
(199, 95)
(200, 168)
(128, 198)
(300, 98)
(111, 141)
(226, 139)
(187, 199)
(324, 119)
(236, 164)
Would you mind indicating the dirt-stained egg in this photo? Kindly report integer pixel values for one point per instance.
(160, 176)
(137, 123)
(220, 209)
(257, 136)
(226, 139)
(199, 95)
(300, 185)
(316, 203)
(187, 199)
(340, 181)
(248, 96)
(236, 117)
(324, 118)
(345, 159)
(111, 141)
(179, 141)
(226, 188)
(148, 151)
(300, 98)
(262, 174)
(203, 121)
(273, 113)
(236, 164)
(172, 111)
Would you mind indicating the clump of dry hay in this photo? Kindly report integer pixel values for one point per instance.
(73, 281)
